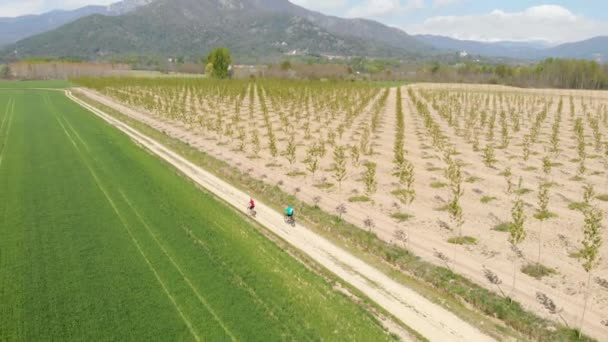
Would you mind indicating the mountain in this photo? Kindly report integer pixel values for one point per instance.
(250, 28)
(17, 28)
(518, 50)
(358, 28)
(594, 48)
(125, 6)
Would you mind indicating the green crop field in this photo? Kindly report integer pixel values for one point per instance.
(57, 84)
(99, 241)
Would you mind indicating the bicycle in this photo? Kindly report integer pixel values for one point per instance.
(251, 212)
(290, 220)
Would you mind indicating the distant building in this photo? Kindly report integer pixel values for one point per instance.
(598, 57)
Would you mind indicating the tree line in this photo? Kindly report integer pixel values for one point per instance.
(550, 73)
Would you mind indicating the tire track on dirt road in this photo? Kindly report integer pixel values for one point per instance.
(427, 318)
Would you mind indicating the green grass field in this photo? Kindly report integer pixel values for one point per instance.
(102, 241)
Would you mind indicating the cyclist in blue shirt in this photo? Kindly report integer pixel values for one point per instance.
(289, 211)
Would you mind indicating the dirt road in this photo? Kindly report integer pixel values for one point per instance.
(427, 318)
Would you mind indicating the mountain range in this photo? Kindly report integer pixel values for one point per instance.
(595, 48)
(15, 29)
(252, 29)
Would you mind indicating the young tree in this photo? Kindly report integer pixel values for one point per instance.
(592, 241)
(339, 166)
(312, 161)
(371, 185)
(547, 167)
(404, 171)
(454, 175)
(242, 139)
(542, 214)
(272, 144)
(290, 151)
(526, 147)
(455, 211)
(517, 232)
(489, 157)
(255, 143)
(364, 144)
(408, 180)
(580, 147)
(508, 174)
(588, 194)
(220, 61)
(355, 155)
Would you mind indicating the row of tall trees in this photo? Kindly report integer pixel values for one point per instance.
(33, 69)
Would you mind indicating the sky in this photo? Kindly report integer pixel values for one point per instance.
(554, 21)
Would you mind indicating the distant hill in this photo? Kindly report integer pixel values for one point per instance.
(594, 48)
(495, 49)
(17, 28)
(250, 28)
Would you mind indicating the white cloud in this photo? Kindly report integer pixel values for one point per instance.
(414, 5)
(13, 8)
(444, 3)
(545, 22)
(379, 8)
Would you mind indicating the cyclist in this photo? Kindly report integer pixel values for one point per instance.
(289, 213)
(251, 207)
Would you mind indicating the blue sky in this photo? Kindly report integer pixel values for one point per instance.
(490, 20)
(555, 21)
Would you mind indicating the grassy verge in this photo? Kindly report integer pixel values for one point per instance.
(503, 227)
(463, 240)
(355, 199)
(492, 313)
(537, 270)
(438, 185)
(401, 217)
(602, 197)
(487, 199)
